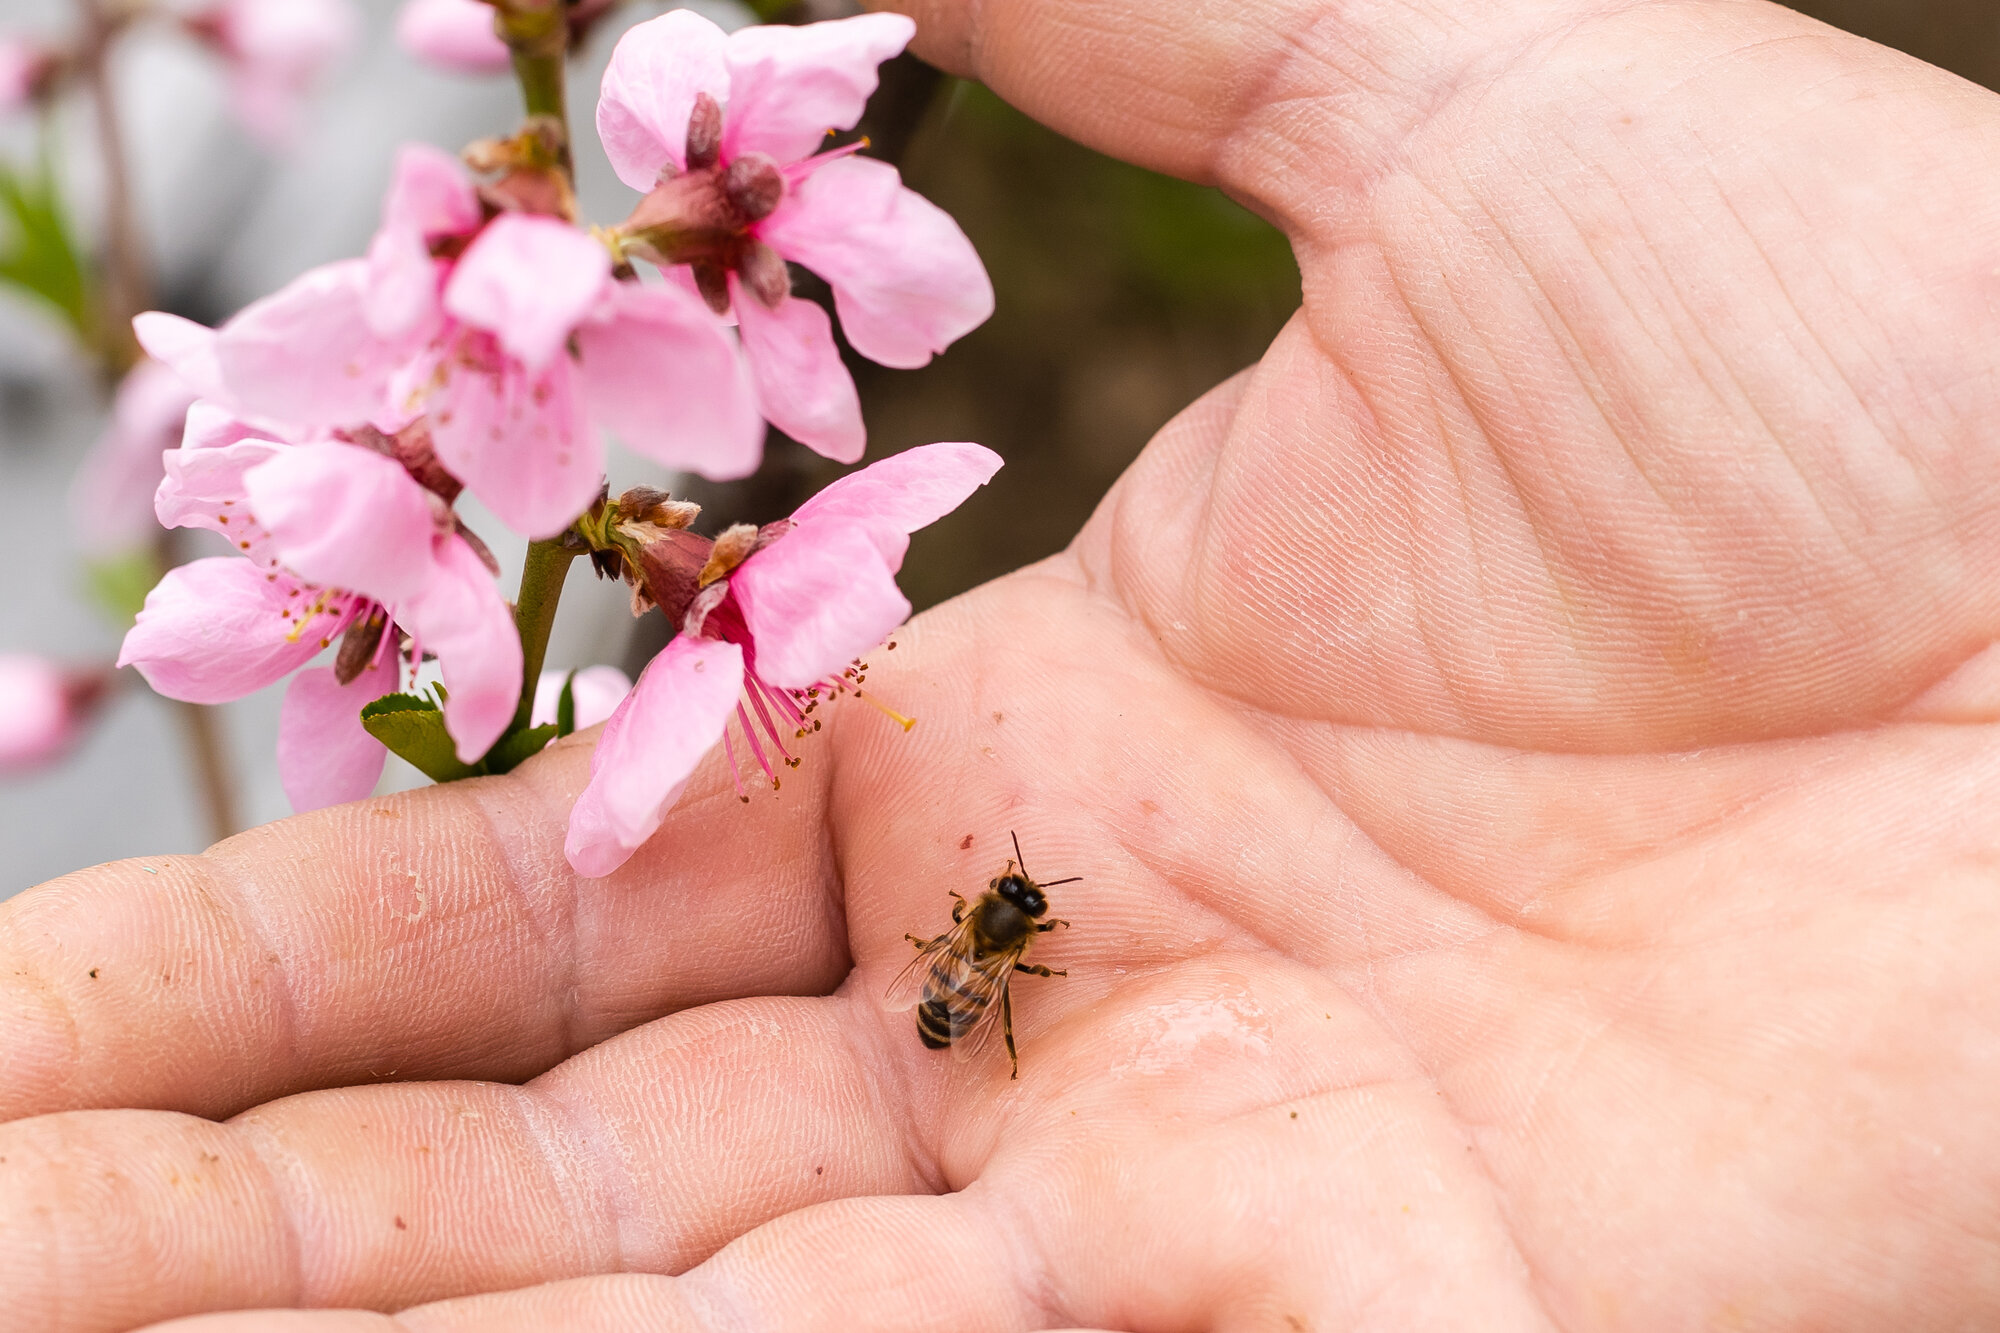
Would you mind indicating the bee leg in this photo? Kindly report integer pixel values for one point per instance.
(1037, 970)
(1051, 924)
(1007, 1031)
(957, 908)
(921, 944)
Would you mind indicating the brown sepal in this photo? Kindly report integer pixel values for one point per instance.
(763, 271)
(704, 136)
(731, 549)
(669, 567)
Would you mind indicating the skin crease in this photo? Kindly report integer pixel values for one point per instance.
(1526, 742)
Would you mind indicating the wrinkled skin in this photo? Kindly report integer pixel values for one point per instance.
(1526, 743)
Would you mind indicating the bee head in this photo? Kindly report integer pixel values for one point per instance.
(1023, 893)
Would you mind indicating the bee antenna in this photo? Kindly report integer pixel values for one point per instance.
(1017, 853)
(1052, 883)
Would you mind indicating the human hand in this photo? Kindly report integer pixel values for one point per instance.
(1523, 745)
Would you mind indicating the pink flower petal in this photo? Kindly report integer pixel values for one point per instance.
(802, 388)
(902, 493)
(216, 630)
(325, 756)
(789, 85)
(345, 517)
(528, 281)
(429, 192)
(21, 65)
(521, 444)
(186, 348)
(37, 719)
(906, 281)
(307, 353)
(651, 745)
(649, 91)
(429, 197)
(597, 692)
(452, 34)
(112, 497)
(460, 615)
(211, 427)
(662, 374)
(816, 599)
(204, 488)
(277, 50)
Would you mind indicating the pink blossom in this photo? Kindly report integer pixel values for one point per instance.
(277, 51)
(112, 498)
(43, 708)
(452, 34)
(23, 66)
(763, 642)
(338, 536)
(595, 690)
(520, 349)
(736, 197)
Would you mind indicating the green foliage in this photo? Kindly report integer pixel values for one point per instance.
(119, 584)
(38, 254)
(566, 706)
(413, 727)
(517, 749)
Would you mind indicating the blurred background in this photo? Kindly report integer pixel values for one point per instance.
(1122, 296)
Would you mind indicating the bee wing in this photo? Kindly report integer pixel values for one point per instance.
(908, 987)
(989, 977)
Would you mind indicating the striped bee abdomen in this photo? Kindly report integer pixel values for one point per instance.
(954, 1000)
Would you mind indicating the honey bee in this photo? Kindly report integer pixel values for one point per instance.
(955, 978)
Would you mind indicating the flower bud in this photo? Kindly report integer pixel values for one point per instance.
(43, 708)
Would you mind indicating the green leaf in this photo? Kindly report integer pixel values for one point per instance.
(119, 583)
(37, 253)
(517, 749)
(413, 727)
(566, 706)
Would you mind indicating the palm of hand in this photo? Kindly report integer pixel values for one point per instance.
(1532, 870)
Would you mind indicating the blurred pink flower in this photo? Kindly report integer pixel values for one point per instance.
(112, 498)
(277, 52)
(23, 66)
(512, 336)
(721, 129)
(596, 692)
(452, 34)
(337, 536)
(43, 708)
(764, 640)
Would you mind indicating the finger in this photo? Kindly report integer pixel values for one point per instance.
(648, 1153)
(434, 934)
(1275, 99)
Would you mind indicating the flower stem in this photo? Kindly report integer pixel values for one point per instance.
(535, 615)
(211, 767)
(537, 32)
(125, 291)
